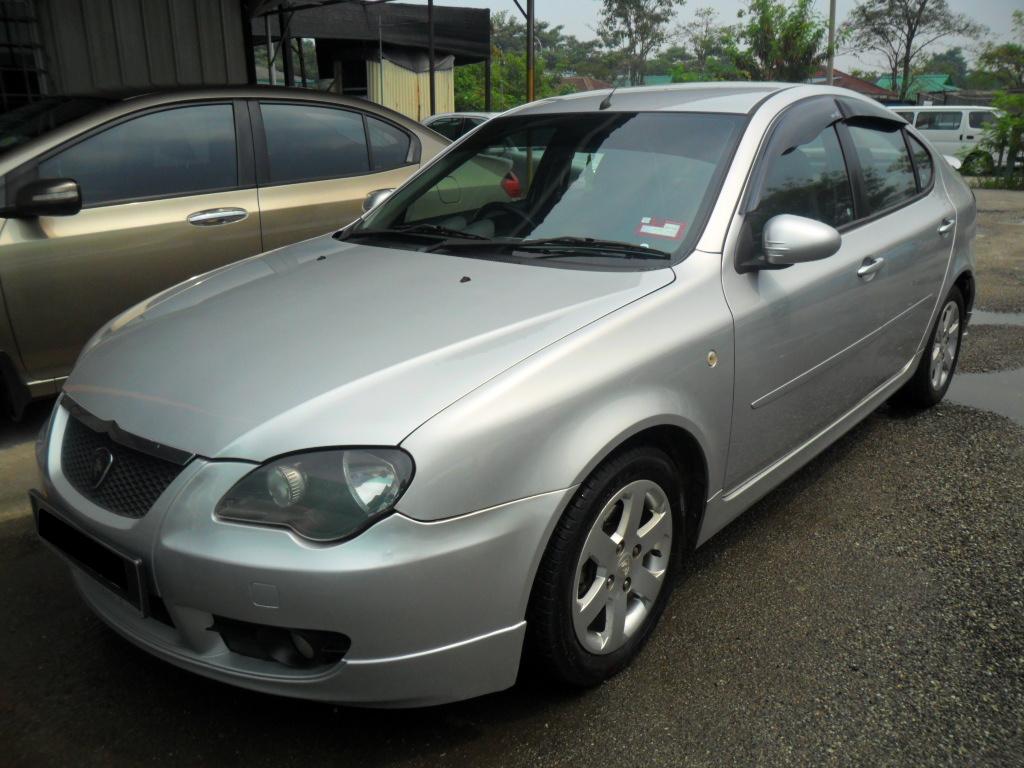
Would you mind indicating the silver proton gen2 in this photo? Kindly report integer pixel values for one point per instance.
(496, 412)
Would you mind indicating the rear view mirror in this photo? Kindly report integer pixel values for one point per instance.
(792, 239)
(375, 198)
(46, 197)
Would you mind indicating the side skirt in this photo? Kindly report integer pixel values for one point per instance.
(726, 506)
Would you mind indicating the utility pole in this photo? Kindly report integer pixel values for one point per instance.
(831, 42)
(531, 65)
(430, 52)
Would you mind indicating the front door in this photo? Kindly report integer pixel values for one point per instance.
(161, 202)
(800, 359)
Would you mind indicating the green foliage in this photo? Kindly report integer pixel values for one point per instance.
(1004, 136)
(901, 31)
(636, 29)
(508, 83)
(1005, 61)
(950, 62)
(783, 42)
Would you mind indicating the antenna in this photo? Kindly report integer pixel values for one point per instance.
(607, 100)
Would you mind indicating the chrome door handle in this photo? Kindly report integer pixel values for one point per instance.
(869, 267)
(214, 216)
(946, 225)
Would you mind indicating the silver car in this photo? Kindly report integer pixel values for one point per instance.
(492, 416)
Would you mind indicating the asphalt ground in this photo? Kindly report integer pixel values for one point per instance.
(870, 611)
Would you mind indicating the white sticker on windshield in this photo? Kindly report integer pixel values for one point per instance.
(664, 228)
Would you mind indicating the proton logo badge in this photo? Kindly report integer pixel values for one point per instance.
(102, 461)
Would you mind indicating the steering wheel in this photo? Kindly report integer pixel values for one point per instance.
(525, 217)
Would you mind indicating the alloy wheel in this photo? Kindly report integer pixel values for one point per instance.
(944, 346)
(622, 567)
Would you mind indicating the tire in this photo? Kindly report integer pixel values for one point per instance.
(978, 164)
(930, 382)
(590, 614)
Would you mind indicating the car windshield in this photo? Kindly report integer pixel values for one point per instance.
(32, 120)
(613, 188)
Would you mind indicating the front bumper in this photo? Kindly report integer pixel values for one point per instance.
(434, 610)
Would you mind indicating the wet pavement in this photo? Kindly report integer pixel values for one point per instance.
(870, 611)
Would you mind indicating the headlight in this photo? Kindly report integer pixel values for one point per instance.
(322, 495)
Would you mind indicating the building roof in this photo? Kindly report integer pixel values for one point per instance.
(845, 80)
(585, 83)
(929, 83)
(464, 33)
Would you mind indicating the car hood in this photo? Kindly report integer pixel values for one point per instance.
(326, 343)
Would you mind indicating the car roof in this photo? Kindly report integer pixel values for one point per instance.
(942, 108)
(736, 98)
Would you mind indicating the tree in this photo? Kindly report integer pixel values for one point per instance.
(782, 42)
(950, 62)
(1005, 62)
(636, 28)
(900, 31)
(704, 36)
(508, 83)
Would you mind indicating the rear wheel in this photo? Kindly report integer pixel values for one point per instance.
(938, 363)
(978, 164)
(606, 574)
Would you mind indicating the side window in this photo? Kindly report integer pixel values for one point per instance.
(180, 151)
(922, 161)
(449, 127)
(888, 174)
(939, 121)
(980, 119)
(390, 145)
(306, 143)
(807, 180)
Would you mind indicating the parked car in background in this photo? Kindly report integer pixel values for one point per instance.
(954, 131)
(375, 466)
(106, 201)
(454, 125)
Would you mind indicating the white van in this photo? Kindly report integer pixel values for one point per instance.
(953, 130)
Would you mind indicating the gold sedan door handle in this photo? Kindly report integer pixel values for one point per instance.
(214, 216)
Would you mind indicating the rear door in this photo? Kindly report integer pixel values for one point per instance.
(943, 128)
(167, 194)
(317, 162)
(907, 228)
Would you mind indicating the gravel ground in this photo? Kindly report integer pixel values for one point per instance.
(868, 612)
(990, 348)
(1000, 256)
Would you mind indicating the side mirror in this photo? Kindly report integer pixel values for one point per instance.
(792, 239)
(375, 198)
(46, 197)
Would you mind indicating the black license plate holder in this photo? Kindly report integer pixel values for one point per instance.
(120, 573)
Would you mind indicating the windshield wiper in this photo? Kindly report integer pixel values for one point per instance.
(554, 245)
(432, 231)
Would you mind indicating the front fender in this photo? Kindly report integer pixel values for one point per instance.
(544, 424)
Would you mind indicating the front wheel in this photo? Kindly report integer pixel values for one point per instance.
(606, 574)
(938, 363)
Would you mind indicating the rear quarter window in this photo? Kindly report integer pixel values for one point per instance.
(980, 119)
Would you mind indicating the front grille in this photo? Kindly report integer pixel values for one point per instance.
(134, 481)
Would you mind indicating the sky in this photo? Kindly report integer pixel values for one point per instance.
(579, 18)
